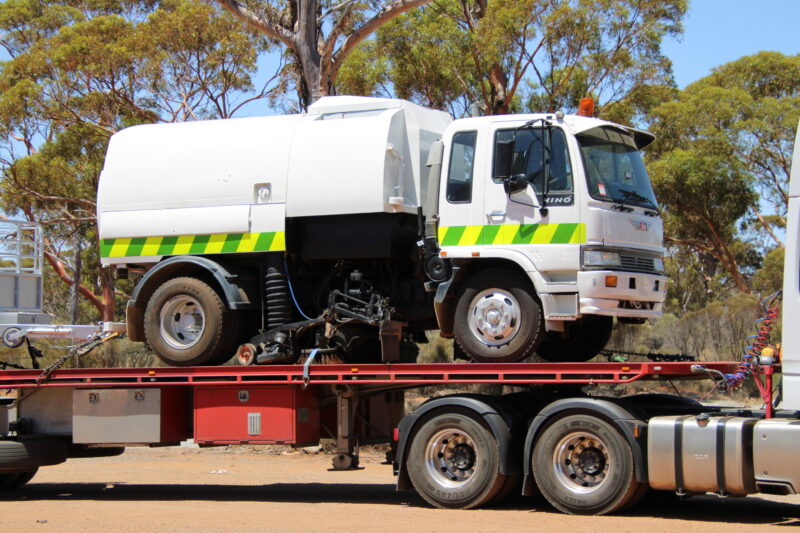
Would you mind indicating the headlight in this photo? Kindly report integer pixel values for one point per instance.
(658, 264)
(600, 258)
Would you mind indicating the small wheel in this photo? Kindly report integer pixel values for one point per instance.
(580, 342)
(454, 462)
(14, 480)
(12, 343)
(186, 323)
(583, 465)
(497, 317)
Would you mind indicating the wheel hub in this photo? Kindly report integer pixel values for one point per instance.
(451, 458)
(581, 462)
(494, 317)
(182, 322)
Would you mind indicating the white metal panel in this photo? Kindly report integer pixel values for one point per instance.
(193, 164)
(179, 221)
(267, 217)
(336, 165)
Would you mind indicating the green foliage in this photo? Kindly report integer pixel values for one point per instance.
(542, 55)
(722, 158)
(78, 71)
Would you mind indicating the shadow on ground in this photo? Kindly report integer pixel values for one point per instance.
(751, 510)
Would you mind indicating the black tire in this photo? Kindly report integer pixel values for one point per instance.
(502, 295)
(182, 342)
(580, 342)
(569, 457)
(14, 480)
(19, 455)
(445, 442)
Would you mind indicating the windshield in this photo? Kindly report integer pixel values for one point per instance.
(614, 168)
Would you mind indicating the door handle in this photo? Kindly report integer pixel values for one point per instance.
(494, 214)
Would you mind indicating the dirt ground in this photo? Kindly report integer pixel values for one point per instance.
(237, 489)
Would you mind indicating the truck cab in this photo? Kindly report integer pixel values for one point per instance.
(567, 201)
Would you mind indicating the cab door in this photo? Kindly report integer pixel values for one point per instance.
(461, 193)
(548, 236)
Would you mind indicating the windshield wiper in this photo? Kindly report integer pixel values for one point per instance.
(629, 194)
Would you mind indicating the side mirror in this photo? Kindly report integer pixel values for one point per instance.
(515, 184)
(503, 157)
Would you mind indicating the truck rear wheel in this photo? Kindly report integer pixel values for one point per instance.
(497, 317)
(454, 462)
(583, 465)
(580, 342)
(187, 323)
(14, 480)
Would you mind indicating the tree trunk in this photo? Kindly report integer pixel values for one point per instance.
(498, 93)
(74, 294)
(307, 53)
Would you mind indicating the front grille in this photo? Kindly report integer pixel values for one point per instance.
(639, 306)
(637, 263)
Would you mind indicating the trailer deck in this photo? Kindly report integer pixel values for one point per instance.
(408, 374)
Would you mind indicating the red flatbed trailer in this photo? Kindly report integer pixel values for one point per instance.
(457, 451)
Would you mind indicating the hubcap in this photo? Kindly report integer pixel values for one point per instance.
(581, 462)
(494, 317)
(182, 322)
(451, 458)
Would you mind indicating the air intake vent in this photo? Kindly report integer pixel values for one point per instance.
(637, 263)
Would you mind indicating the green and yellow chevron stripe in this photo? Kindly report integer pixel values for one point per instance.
(218, 243)
(512, 234)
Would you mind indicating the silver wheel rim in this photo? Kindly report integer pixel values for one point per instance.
(581, 462)
(451, 458)
(494, 317)
(182, 322)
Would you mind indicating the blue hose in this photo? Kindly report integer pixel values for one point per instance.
(291, 291)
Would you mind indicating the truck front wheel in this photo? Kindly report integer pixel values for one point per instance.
(497, 317)
(584, 465)
(454, 462)
(580, 342)
(187, 323)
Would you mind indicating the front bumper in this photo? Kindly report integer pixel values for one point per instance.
(635, 295)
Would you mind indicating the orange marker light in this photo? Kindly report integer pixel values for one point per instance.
(611, 281)
(586, 107)
(442, 254)
(476, 254)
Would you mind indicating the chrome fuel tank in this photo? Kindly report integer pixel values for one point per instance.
(701, 454)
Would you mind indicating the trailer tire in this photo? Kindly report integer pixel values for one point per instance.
(498, 319)
(14, 480)
(454, 461)
(584, 465)
(17, 455)
(582, 340)
(186, 323)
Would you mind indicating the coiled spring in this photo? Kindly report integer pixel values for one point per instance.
(758, 342)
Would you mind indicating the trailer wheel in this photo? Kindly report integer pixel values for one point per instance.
(583, 465)
(187, 323)
(582, 340)
(497, 317)
(454, 462)
(14, 480)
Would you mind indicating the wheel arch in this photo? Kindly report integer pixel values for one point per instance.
(488, 408)
(447, 292)
(624, 418)
(220, 277)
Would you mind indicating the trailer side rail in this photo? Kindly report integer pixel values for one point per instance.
(377, 374)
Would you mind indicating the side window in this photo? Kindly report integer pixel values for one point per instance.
(462, 161)
(530, 149)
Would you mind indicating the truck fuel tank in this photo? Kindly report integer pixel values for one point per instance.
(701, 454)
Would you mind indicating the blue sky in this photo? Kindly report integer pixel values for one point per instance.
(719, 31)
